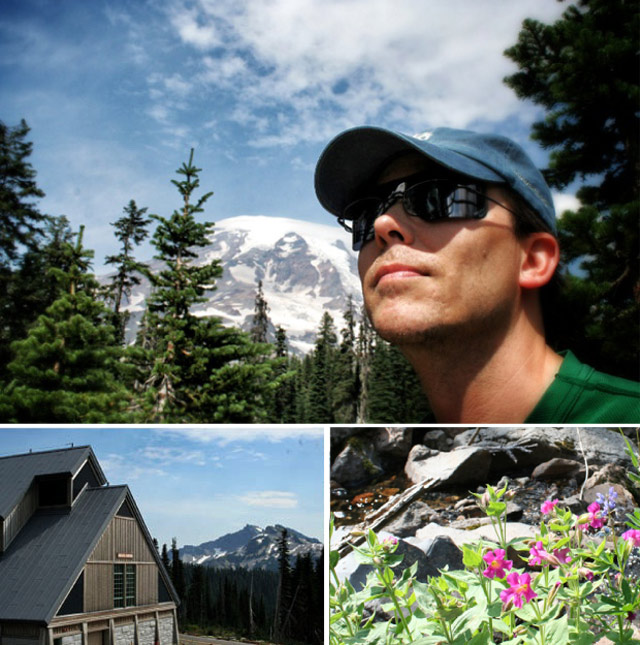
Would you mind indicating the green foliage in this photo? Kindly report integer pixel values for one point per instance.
(67, 369)
(20, 218)
(131, 230)
(572, 589)
(583, 71)
(200, 370)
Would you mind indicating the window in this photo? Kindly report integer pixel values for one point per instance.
(124, 585)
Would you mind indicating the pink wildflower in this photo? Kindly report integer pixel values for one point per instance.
(520, 590)
(537, 553)
(496, 564)
(596, 520)
(548, 506)
(562, 555)
(633, 535)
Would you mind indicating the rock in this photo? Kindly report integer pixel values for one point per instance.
(485, 532)
(444, 552)
(394, 443)
(358, 463)
(349, 568)
(613, 473)
(414, 517)
(340, 435)
(557, 468)
(461, 466)
(531, 446)
(437, 439)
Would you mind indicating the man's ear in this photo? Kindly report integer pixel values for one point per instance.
(540, 257)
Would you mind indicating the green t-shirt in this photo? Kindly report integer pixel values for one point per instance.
(580, 394)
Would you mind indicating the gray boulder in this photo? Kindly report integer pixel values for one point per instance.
(460, 466)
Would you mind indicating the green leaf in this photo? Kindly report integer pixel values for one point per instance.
(470, 558)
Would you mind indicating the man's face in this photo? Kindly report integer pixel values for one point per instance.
(421, 280)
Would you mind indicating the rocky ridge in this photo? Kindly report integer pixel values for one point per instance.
(250, 548)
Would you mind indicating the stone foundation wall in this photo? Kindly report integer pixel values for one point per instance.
(147, 632)
(71, 639)
(122, 635)
(165, 630)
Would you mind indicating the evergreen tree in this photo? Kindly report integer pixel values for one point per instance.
(131, 230)
(260, 324)
(196, 600)
(177, 575)
(347, 371)
(321, 400)
(164, 556)
(281, 627)
(284, 405)
(201, 371)
(583, 71)
(67, 369)
(32, 287)
(395, 394)
(20, 220)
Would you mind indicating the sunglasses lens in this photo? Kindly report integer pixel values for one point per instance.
(440, 200)
(433, 200)
(362, 213)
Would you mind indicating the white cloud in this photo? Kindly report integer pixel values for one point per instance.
(166, 455)
(269, 499)
(316, 65)
(228, 434)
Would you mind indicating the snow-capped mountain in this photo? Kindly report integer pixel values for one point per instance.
(250, 548)
(306, 269)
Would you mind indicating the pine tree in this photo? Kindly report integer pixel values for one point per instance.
(284, 596)
(347, 370)
(20, 220)
(321, 400)
(177, 574)
(260, 324)
(131, 230)
(67, 369)
(201, 370)
(582, 70)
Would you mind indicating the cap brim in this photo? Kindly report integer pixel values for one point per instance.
(357, 155)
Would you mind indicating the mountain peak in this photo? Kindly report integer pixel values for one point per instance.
(306, 269)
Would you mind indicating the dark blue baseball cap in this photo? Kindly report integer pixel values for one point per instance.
(357, 155)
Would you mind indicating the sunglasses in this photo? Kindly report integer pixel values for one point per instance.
(432, 200)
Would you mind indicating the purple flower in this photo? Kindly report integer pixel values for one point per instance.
(520, 590)
(496, 564)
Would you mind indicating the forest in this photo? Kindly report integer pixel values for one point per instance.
(283, 606)
(63, 356)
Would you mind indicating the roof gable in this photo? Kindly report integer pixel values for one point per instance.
(17, 472)
(43, 562)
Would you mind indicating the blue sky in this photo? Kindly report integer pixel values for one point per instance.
(197, 484)
(117, 92)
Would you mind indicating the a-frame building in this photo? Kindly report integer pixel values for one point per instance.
(77, 563)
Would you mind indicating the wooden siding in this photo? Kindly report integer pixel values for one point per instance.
(147, 584)
(18, 517)
(123, 536)
(123, 542)
(98, 586)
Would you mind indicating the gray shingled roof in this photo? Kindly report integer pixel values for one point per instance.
(17, 471)
(43, 562)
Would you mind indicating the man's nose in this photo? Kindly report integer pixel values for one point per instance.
(393, 226)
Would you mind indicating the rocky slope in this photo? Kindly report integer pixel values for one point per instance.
(306, 269)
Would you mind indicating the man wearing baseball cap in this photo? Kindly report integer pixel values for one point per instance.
(456, 234)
